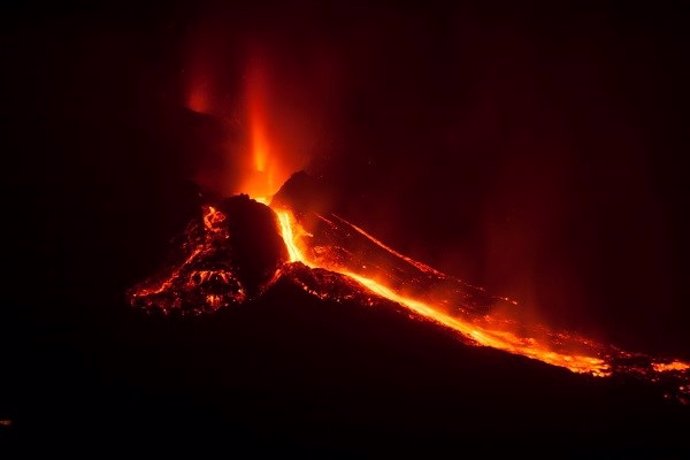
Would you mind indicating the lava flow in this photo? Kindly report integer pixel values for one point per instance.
(460, 306)
(502, 340)
(219, 269)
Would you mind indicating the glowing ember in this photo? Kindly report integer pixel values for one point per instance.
(206, 280)
(672, 366)
(212, 219)
(218, 266)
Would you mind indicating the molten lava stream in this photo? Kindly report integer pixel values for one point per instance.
(499, 339)
(210, 277)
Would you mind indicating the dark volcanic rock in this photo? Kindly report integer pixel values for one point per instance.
(228, 254)
(257, 247)
(304, 194)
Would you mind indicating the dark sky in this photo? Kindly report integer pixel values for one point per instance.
(537, 150)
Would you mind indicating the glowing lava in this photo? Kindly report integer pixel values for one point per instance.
(265, 166)
(477, 326)
(672, 366)
(212, 275)
(501, 340)
(287, 231)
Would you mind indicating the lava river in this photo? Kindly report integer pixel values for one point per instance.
(210, 277)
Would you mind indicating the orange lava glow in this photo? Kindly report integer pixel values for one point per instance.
(212, 217)
(193, 274)
(264, 177)
(499, 339)
(256, 105)
(420, 266)
(672, 366)
(208, 279)
(561, 349)
(287, 230)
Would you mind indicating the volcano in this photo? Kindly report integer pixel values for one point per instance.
(345, 230)
(238, 248)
